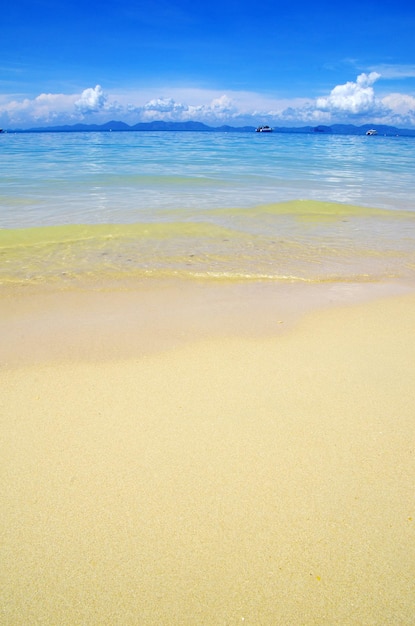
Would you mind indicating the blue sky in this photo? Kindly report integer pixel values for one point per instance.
(280, 62)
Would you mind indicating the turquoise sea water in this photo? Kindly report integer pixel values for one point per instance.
(223, 206)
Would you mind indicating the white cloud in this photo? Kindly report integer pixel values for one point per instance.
(92, 100)
(400, 109)
(222, 106)
(400, 103)
(354, 101)
(357, 100)
(45, 108)
(219, 108)
(164, 105)
(354, 98)
(56, 109)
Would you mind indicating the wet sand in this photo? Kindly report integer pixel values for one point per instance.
(232, 456)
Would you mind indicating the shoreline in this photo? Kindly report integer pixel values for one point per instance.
(245, 458)
(127, 319)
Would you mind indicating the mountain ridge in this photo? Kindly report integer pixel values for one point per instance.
(191, 126)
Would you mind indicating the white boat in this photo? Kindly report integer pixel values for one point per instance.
(264, 129)
(372, 131)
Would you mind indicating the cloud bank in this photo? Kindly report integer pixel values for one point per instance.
(352, 102)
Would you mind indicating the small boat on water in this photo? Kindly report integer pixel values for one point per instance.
(372, 131)
(264, 129)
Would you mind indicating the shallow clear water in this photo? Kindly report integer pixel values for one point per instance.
(206, 205)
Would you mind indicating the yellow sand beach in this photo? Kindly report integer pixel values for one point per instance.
(208, 456)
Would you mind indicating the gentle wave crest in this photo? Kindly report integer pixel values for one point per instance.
(296, 241)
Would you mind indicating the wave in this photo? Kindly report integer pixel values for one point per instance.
(302, 241)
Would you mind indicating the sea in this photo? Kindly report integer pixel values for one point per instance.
(90, 207)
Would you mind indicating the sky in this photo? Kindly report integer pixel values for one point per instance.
(281, 62)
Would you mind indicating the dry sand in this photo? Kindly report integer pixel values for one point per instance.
(221, 477)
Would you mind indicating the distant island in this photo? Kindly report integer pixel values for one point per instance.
(336, 129)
